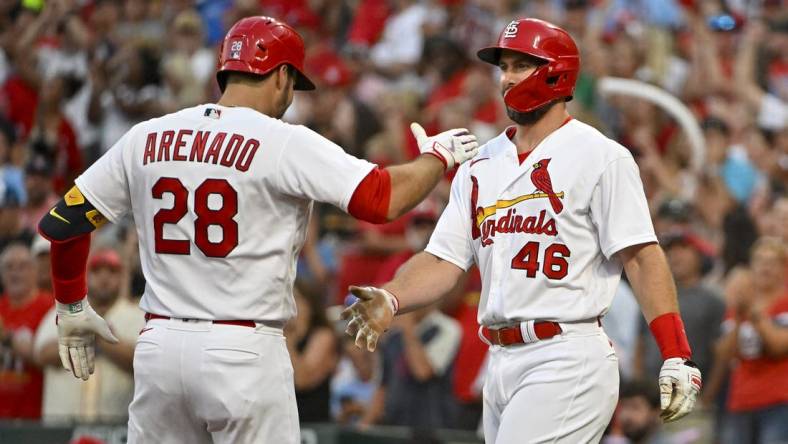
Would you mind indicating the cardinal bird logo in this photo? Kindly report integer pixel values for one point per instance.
(541, 179)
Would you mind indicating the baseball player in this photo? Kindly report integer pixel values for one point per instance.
(550, 211)
(220, 194)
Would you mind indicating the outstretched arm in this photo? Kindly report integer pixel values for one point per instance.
(386, 194)
(421, 281)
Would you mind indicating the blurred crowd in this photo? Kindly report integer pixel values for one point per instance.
(76, 74)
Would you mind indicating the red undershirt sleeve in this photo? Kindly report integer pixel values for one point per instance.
(69, 267)
(370, 201)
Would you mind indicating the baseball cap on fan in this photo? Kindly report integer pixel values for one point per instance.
(329, 69)
(690, 239)
(105, 257)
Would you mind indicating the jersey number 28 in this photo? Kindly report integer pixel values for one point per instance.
(206, 216)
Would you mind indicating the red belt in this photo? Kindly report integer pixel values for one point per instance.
(513, 335)
(149, 316)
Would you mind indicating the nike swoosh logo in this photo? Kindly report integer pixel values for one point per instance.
(54, 214)
(478, 160)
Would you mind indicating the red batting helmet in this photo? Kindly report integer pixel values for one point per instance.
(258, 45)
(554, 79)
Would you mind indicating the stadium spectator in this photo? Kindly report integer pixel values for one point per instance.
(107, 394)
(416, 385)
(622, 326)
(76, 74)
(40, 194)
(636, 420)
(134, 93)
(22, 307)
(188, 67)
(52, 136)
(314, 352)
(40, 251)
(755, 346)
(352, 385)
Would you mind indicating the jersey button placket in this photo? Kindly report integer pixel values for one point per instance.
(496, 249)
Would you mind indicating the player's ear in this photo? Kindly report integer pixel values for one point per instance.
(284, 76)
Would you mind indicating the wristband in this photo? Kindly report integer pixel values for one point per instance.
(393, 300)
(71, 308)
(69, 263)
(69, 291)
(668, 331)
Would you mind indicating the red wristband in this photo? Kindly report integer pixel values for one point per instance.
(69, 263)
(668, 331)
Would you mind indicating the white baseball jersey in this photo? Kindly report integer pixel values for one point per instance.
(544, 233)
(220, 197)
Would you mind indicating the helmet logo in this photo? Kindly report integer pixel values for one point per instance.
(511, 30)
(235, 49)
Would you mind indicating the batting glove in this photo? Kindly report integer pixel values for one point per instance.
(452, 147)
(679, 385)
(370, 315)
(77, 326)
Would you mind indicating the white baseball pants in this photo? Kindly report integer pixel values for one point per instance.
(559, 390)
(199, 382)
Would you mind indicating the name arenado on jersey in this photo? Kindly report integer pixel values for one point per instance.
(233, 151)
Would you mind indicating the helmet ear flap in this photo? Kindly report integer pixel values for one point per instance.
(553, 81)
(262, 52)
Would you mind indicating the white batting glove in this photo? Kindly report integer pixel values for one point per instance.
(370, 316)
(454, 146)
(77, 326)
(679, 385)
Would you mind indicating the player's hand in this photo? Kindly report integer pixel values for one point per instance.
(77, 326)
(679, 385)
(370, 315)
(454, 146)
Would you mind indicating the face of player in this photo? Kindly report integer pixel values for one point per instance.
(515, 67)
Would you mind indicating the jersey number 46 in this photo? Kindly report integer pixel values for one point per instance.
(555, 265)
(206, 216)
